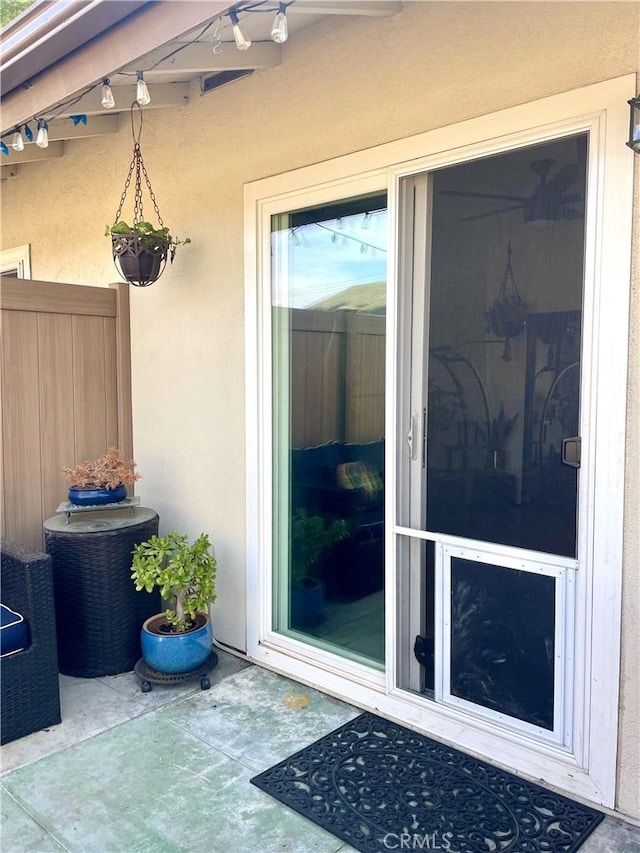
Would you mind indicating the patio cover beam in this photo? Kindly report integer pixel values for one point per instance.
(32, 153)
(199, 58)
(66, 129)
(60, 130)
(120, 46)
(369, 8)
(162, 95)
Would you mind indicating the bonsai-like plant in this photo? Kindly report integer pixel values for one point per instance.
(184, 574)
(152, 239)
(107, 472)
(311, 537)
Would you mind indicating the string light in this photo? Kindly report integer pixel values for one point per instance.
(242, 42)
(17, 142)
(365, 246)
(279, 34)
(142, 92)
(42, 139)
(108, 101)
(279, 29)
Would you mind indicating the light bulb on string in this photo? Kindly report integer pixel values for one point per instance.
(142, 92)
(242, 42)
(42, 139)
(17, 142)
(108, 101)
(279, 29)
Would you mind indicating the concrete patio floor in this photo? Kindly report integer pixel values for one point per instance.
(128, 772)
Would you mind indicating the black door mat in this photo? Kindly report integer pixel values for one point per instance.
(379, 786)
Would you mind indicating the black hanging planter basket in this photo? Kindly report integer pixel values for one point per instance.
(140, 251)
(507, 319)
(507, 315)
(137, 263)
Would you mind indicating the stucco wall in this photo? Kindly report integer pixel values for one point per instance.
(344, 85)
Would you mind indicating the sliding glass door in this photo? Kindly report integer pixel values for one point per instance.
(328, 353)
(492, 329)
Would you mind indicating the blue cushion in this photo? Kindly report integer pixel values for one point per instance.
(14, 636)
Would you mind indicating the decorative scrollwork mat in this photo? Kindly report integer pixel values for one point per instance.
(379, 786)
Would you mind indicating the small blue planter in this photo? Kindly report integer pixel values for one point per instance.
(96, 497)
(175, 653)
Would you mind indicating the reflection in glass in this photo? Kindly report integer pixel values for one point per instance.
(328, 323)
(502, 640)
(505, 314)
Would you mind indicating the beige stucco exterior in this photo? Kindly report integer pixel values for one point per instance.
(344, 85)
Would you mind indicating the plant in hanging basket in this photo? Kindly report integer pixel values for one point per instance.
(142, 250)
(507, 315)
(103, 480)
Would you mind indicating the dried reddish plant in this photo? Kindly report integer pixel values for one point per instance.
(107, 472)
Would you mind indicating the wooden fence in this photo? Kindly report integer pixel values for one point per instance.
(66, 391)
(337, 377)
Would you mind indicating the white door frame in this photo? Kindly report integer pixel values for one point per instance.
(589, 769)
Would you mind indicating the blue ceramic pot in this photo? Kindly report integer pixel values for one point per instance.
(307, 600)
(175, 653)
(96, 497)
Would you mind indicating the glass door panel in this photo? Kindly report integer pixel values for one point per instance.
(328, 333)
(491, 325)
(504, 340)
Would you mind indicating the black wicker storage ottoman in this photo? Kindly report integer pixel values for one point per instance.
(99, 614)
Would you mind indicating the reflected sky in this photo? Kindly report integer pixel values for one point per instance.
(315, 261)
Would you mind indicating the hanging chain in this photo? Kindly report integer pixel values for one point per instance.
(137, 164)
(509, 278)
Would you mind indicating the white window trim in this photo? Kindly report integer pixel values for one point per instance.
(18, 259)
(589, 772)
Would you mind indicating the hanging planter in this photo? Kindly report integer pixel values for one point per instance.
(140, 251)
(507, 315)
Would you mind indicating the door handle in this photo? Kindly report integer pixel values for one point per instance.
(571, 449)
(411, 437)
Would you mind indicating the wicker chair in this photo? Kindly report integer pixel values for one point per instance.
(30, 693)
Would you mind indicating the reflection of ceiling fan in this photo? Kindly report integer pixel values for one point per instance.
(549, 201)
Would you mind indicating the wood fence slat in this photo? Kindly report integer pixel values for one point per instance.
(110, 382)
(123, 370)
(89, 387)
(313, 399)
(297, 370)
(55, 358)
(21, 428)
